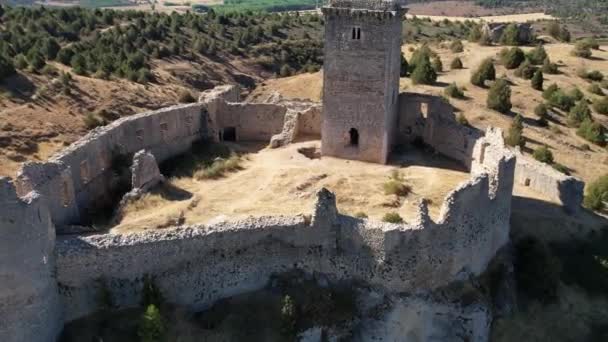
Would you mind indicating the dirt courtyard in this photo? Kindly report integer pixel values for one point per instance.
(284, 182)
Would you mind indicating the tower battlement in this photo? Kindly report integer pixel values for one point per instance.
(375, 5)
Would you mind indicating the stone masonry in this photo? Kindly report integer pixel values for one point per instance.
(360, 78)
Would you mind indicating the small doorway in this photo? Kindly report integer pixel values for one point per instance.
(354, 137)
(228, 134)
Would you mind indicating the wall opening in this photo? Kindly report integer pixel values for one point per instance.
(356, 33)
(527, 182)
(482, 153)
(84, 172)
(424, 110)
(65, 194)
(228, 134)
(353, 135)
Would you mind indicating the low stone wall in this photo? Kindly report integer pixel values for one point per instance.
(554, 185)
(29, 303)
(195, 266)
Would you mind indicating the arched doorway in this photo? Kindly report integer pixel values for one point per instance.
(354, 137)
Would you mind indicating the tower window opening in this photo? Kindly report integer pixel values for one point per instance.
(356, 33)
(354, 137)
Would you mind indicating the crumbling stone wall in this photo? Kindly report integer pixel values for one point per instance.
(360, 79)
(194, 266)
(552, 184)
(496, 30)
(430, 119)
(80, 177)
(29, 302)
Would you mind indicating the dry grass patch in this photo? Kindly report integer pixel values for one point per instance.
(219, 168)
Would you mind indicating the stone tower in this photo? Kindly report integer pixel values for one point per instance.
(360, 78)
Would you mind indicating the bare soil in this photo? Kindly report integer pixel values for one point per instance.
(454, 8)
(285, 182)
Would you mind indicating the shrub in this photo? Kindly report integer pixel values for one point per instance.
(540, 110)
(462, 119)
(91, 121)
(285, 71)
(590, 43)
(543, 155)
(561, 100)
(20, 62)
(537, 56)
(591, 131)
(79, 64)
(536, 270)
(361, 215)
(392, 218)
(537, 80)
(475, 33)
(525, 70)
(185, 96)
(578, 114)
(454, 91)
(437, 65)
(456, 46)
(605, 84)
(549, 68)
(65, 56)
(595, 88)
(601, 105)
(456, 64)
(594, 75)
(403, 71)
(395, 187)
(424, 73)
(151, 326)
(559, 32)
(515, 133)
(35, 60)
(576, 94)
(423, 53)
(219, 168)
(512, 58)
(581, 50)
(561, 168)
(485, 72)
(597, 193)
(548, 93)
(288, 316)
(499, 96)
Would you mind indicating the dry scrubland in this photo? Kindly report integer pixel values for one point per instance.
(285, 182)
(561, 140)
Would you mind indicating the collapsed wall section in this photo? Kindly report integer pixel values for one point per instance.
(29, 304)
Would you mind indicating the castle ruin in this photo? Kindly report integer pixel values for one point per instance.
(48, 278)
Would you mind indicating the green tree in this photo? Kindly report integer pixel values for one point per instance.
(485, 72)
(35, 60)
(525, 70)
(510, 35)
(581, 50)
(456, 46)
(543, 155)
(578, 113)
(20, 62)
(6, 67)
(437, 65)
(537, 55)
(542, 113)
(512, 58)
(475, 34)
(65, 56)
(454, 91)
(499, 96)
(151, 326)
(50, 48)
(601, 105)
(591, 131)
(597, 193)
(548, 67)
(424, 73)
(79, 64)
(403, 71)
(515, 133)
(537, 80)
